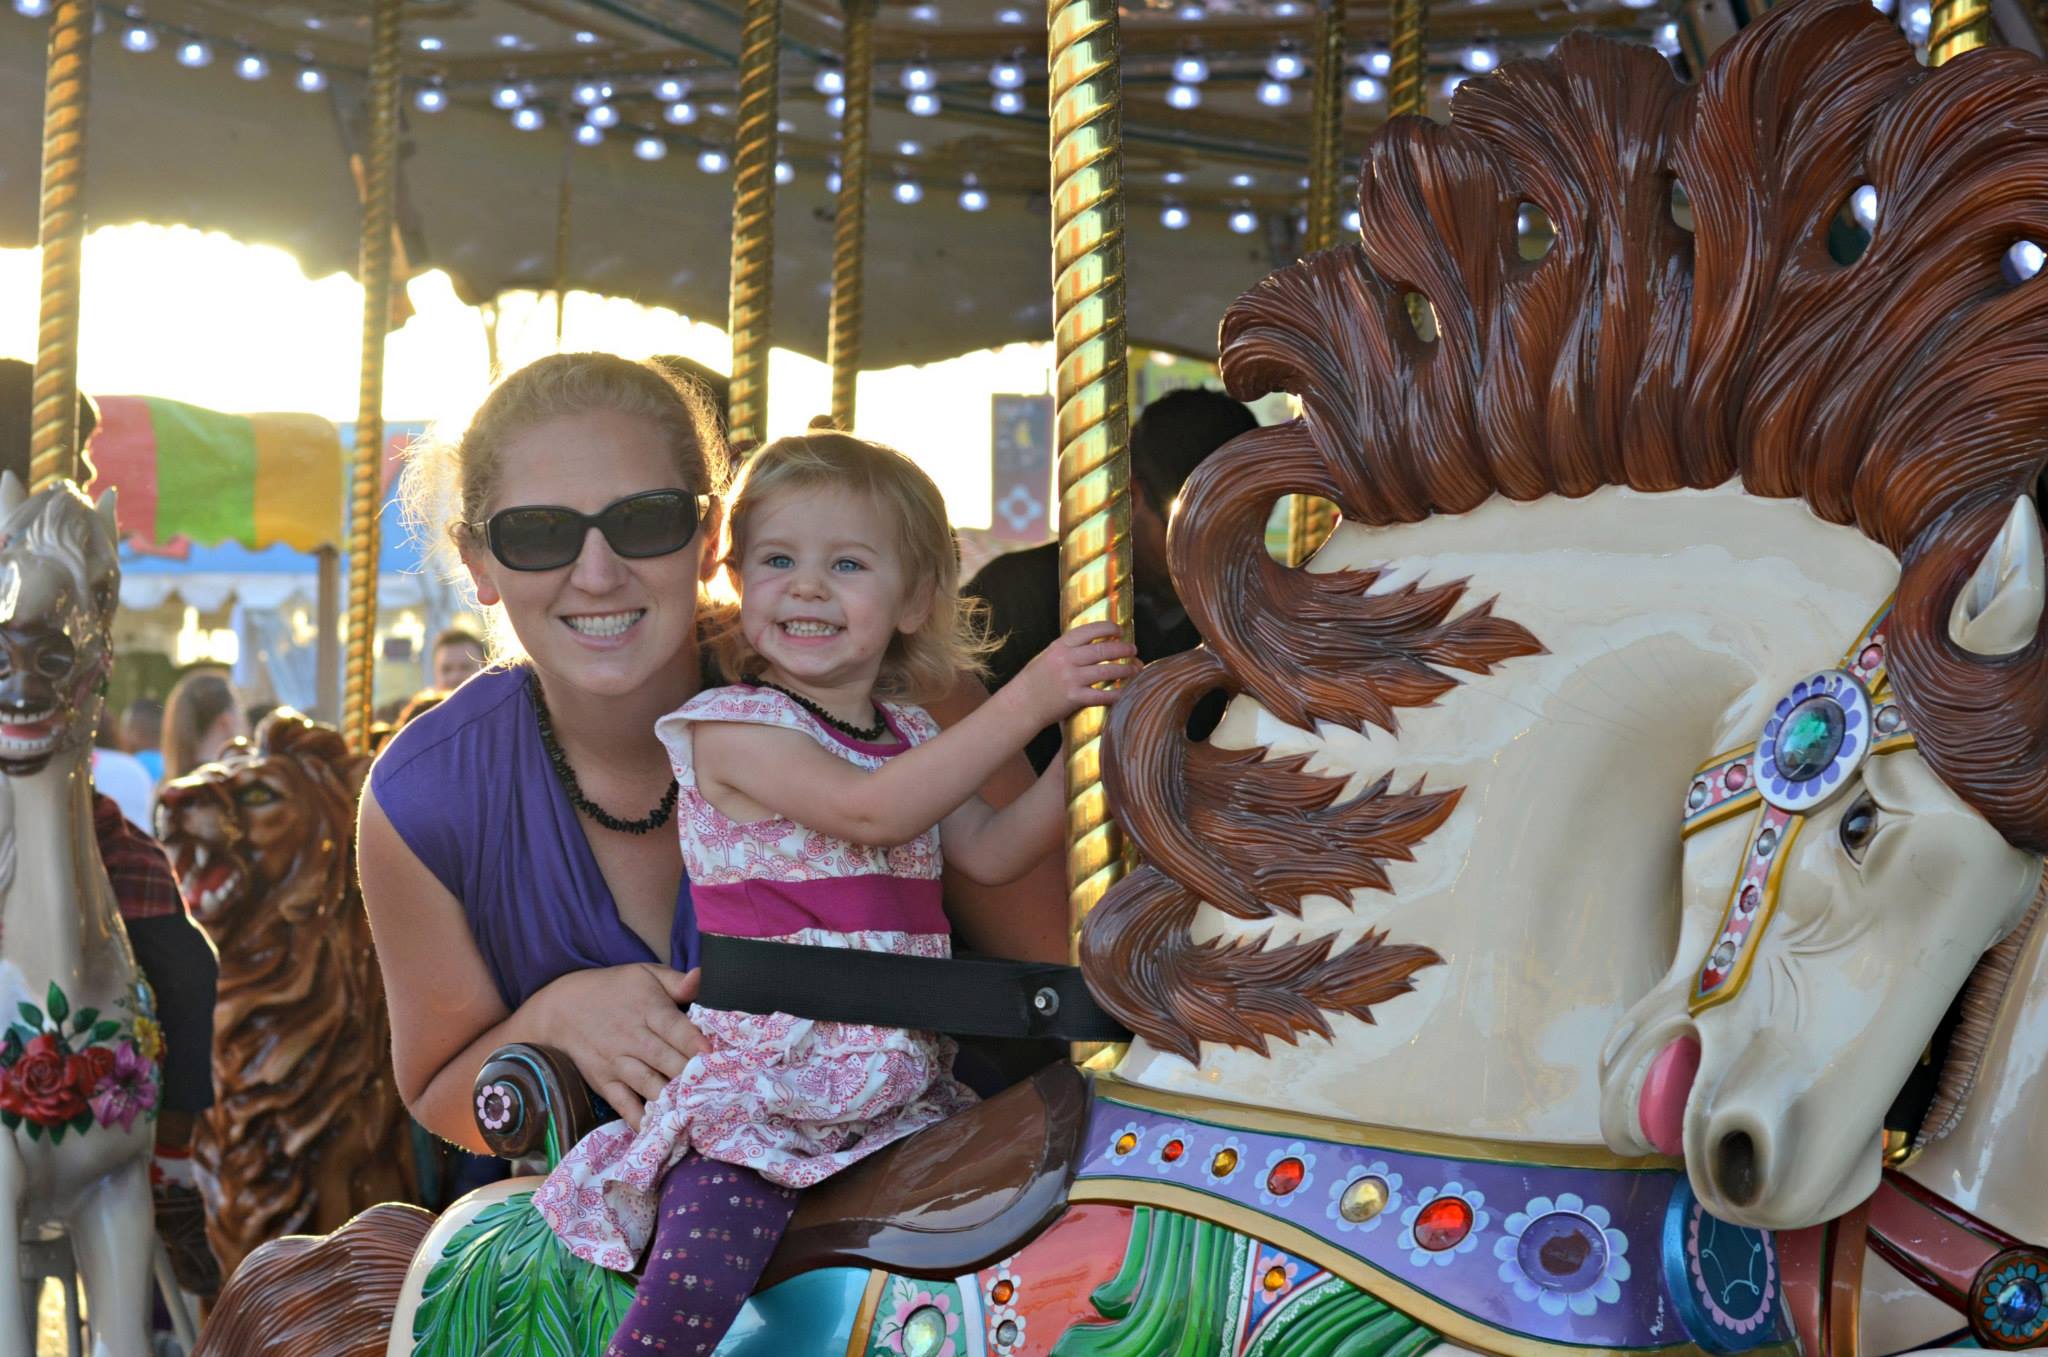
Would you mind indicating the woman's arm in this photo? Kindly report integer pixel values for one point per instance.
(621, 1026)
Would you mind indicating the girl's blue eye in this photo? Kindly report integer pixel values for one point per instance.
(778, 561)
(846, 563)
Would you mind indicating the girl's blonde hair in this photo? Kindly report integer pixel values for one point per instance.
(448, 482)
(920, 666)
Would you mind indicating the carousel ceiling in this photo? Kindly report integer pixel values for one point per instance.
(242, 116)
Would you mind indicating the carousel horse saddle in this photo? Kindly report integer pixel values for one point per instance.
(949, 1200)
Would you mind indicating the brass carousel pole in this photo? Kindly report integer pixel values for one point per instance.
(753, 220)
(380, 171)
(850, 217)
(1406, 92)
(1958, 26)
(1311, 519)
(53, 422)
(1091, 393)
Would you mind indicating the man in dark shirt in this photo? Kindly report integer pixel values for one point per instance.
(1022, 588)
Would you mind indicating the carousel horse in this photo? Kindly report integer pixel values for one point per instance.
(1630, 814)
(306, 1128)
(78, 1064)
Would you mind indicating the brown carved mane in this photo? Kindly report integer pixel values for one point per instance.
(307, 1128)
(1905, 394)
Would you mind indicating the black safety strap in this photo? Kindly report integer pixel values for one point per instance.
(963, 996)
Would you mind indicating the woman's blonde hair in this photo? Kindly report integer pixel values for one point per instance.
(920, 666)
(196, 702)
(448, 482)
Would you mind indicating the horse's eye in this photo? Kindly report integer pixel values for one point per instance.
(1859, 826)
(55, 659)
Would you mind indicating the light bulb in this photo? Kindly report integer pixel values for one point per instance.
(139, 39)
(1183, 96)
(1174, 217)
(604, 115)
(835, 107)
(681, 114)
(1379, 62)
(909, 148)
(918, 78)
(829, 80)
(668, 89)
(1192, 14)
(711, 161)
(1365, 90)
(588, 94)
(1240, 181)
(586, 38)
(430, 44)
(1174, 177)
(430, 99)
(1918, 20)
(1665, 39)
(251, 66)
(1243, 222)
(1190, 69)
(908, 191)
(785, 173)
(650, 148)
(1480, 60)
(923, 104)
(832, 181)
(973, 200)
(1451, 83)
(32, 9)
(1274, 94)
(1353, 222)
(312, 79)
(508, 41)
(1006, 75)
(527, 120)
(924, 14)
(1285, 65)
(589, 134)
(507, 97)
(1007, 101)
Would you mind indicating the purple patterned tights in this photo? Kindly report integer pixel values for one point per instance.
(717, 1226)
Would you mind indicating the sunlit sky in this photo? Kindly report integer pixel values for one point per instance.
(199, 317)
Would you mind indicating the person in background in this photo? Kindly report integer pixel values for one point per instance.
(142, 734)
(1022, 588)
(122, 778)
(203, 717)
(457, 655)
(253, 717)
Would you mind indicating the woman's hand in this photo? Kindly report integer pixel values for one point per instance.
(624, 1028)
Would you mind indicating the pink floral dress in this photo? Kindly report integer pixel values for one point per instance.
(795, 1099)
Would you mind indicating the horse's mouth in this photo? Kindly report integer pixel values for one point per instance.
(29, 734)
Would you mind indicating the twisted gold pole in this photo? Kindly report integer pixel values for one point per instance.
(1091, 385)
(53, 419)
(1958, 26)
(753, 220)
(1405, 91)
(1310, 520)
(850, 217)
(380, 185)
(564, 204)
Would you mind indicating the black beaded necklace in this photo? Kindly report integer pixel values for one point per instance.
(566, 775)
(873, 732)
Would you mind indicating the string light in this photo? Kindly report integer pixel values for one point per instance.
(1006, 75)
(589, 134)
(924, 14)
(604, 115)
(587, 38)
(1274, 94)
(650, 148)
(918, 78)
(1190, 69)
(1365, 90)
(1174, 177)
(1007, 102)
(312, 79)
(785, 173)
(430, 99)
(1240, 181)
(1183, 96)
(669, 90)
(973, 199)
(909, 148)
(1665, 39)
(835, 107)
(1451, 83)
(528, 120)
(1353, 222)
(588, 94)
(1243, 222)
(1011, 17)
(680, 114)
(508, 41)
(1480, 60)
(1173, 217)
(430, 44)
(1285, 65)
(1919, 19)
(907, 191)
(712, 161)
(832, 181)
(32, 9)
(923, 104)
(250, 66)
(1379, 62)
(139, 39)
(1192, 14)
(829, 80)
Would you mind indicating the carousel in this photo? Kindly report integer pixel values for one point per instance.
(1607, 916)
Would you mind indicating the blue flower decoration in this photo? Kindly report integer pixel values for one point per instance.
(1421, 1257)
(1124, 1141)
(1816, 737)
(1376, 1169)
(1294, 1149)
(2013, 1304)
(1563, 1254)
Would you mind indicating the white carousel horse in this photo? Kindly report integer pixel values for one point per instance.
(78, 1063)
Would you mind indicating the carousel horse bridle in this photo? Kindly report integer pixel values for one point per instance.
(1817, 736)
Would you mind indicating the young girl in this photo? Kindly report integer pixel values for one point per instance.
(813, 801)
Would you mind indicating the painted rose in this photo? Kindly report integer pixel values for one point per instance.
(42, 1086)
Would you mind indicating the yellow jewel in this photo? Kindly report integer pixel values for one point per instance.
(1126, 1142)
(1276, 1277)
(1224, 1162)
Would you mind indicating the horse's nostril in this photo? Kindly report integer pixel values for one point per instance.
(1736, 1170)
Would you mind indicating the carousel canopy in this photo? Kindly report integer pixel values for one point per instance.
(242, 117)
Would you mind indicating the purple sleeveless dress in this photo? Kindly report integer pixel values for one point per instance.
(469, 789)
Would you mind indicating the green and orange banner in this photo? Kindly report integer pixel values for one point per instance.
(187, 472)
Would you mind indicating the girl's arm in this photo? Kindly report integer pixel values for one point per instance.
(994, 846)
(751, 772)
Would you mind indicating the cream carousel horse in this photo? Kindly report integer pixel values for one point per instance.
(78, 1071)
(1608, 819)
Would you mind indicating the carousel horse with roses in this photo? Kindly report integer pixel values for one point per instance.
(1606, 918)
(78, 1075)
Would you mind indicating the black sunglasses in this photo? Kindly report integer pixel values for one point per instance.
(550, 536)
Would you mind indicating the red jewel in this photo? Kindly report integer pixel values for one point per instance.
(1737, 777)
(1442, 1224)
(1285, 1177)
(1172, 1150)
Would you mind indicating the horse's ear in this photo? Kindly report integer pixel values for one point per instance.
(105, 506)
(12, 492)
(1999, 609)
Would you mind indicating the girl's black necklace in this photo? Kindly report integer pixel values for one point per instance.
(873, 732)
(654, 819)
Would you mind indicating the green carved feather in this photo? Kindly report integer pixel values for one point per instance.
(505, 1287)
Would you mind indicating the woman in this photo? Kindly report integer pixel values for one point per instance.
(520, 867)
(201, 719)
